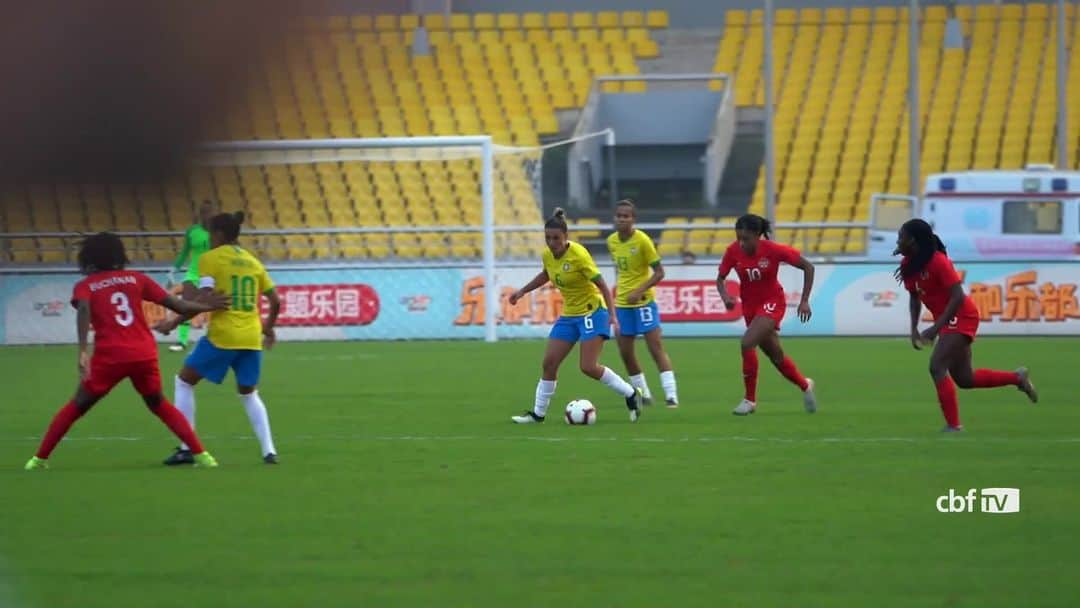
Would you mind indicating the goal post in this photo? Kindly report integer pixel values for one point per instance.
(342, 146)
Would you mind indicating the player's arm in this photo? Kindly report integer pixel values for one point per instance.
(537, 282)
(82, 326)
(185, 252)
(601, 284)
(274, 300)
(726, 264)
(208, 301)
(652, 281)
(204, 295)
(956, 298)
(915, 309)
(807, 268)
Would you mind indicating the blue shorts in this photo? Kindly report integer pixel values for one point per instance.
(213, 363)
(583, 328)
(638, 321)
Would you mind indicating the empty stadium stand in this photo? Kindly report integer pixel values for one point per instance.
(502, 74)
(841, 119)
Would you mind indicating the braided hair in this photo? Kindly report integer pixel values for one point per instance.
(101, 252)
(926, 245)
(228, 224)
(755, 224)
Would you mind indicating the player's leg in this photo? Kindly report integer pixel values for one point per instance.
(93, 388)
(629, 330)
(205, 361)
(594, 333)
(558, 348)
(756, 331)
(949, 351)
(633, 368)
(190, 292)
(654, 340)
(772, 349)
(247, 366)
(967, 378)
(146, 378)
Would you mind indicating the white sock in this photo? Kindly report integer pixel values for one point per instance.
(260, 421)
(667, 380)
(184, 397)
(617, 384)
(639, 381)
(544, 390)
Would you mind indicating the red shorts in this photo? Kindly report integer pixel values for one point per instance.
(773, 309)
(104, 375)
(967, 326)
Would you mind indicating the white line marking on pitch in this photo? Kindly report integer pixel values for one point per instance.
(707, 439)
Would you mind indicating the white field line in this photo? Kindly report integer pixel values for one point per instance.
(509, 438)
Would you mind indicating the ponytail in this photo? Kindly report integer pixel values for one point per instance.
(557, 220)
(756, 224)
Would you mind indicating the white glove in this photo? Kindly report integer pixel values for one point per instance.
(171, 280)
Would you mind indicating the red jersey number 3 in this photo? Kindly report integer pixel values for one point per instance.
(120, 330)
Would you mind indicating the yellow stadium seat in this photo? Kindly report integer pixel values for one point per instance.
(460, 21)
(532, 21)
(435, 21)
(632, 19)
(656, 19)
(810, 16)
(509, 21)
(581, 20)
(361, 22)
(409, 22)
(558, 20)
(484, 21)
(734, 17)
(385, 23)
(607, 19)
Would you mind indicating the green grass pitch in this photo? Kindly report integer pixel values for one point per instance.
(403, 483)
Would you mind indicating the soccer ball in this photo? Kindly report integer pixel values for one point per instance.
(580, 411)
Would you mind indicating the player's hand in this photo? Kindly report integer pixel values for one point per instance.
(729, 301)
(514, 297)
(916, 340)
(269, 338)
(84, 365)
(616, 331)
(165, 326)
(928, 335)
(634, 296)
(804, 311)
(216, 300)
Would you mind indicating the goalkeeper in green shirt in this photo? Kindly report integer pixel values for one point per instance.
(196, 243)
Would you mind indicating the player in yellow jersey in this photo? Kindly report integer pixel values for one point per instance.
(236, 337)
(638, 270)
(585, 318)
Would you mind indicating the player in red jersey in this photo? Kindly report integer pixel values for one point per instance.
(110, 299)
(756, 260)
(927, 273)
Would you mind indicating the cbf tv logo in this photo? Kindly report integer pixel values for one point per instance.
(989, 500)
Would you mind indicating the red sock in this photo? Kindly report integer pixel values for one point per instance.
(788, 369)
(59, 426)
(178, 425)
(950, 407)
(989, 378)
(749, 373)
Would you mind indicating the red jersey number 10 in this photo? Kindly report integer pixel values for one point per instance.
(753, 274)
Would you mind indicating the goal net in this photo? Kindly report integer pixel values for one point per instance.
(435, 224)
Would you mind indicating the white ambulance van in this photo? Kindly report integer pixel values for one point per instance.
(1032, 214)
